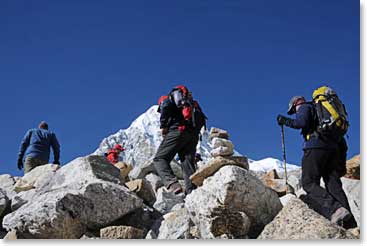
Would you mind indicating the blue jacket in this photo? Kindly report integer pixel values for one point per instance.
(306, 120)
(37, 142)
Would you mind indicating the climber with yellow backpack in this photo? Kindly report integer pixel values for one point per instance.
(323, 123)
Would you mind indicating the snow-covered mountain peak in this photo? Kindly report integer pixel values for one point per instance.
(143, 137)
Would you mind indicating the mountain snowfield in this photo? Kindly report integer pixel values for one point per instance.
(142, 138)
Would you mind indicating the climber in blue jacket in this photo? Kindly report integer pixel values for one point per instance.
(35, 147)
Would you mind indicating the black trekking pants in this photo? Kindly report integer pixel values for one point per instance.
(184, 143)
(317, 164)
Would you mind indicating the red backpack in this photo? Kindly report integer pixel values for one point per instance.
(190, 109)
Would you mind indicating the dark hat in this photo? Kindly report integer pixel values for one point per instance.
(292, 104)
(43, 125)
(198, 156)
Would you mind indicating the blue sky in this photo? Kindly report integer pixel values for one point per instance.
(90, 68)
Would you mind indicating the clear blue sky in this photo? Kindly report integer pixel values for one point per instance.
(91, 67)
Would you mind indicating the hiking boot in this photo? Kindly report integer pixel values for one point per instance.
(340, 216)
(175, 188)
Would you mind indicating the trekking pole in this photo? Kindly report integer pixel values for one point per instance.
(284, 157)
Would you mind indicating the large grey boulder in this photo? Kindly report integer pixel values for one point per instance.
(84, 194)
(7, 184)
(352, 188)
(36, 178)
(297, 221)
(22, 198)
(233, 203)
(167, 200)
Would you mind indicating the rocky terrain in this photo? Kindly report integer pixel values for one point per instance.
(236, 198)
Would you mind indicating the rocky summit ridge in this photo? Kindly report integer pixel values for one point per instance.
(236, 198)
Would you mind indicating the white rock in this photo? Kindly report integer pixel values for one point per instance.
(285, 199)
(298, 221)
(167, 200)
(84, 194)
(232, 202)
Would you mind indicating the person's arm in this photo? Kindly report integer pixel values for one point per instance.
(303, 117)
(24, 144)
(56, 149)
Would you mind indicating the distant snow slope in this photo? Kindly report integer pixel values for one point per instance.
(142, 139)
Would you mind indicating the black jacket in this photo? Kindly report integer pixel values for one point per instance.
(171, 116)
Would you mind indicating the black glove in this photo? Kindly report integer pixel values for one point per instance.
(20, 163)
(282, 120)
(56, 162)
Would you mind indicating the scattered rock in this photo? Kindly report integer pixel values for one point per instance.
(278, 185)
(356, 232)
(272, 174)
(125, 169)
(4, 203)
(143, 189)
(11, 235)
(155, 181)
(121, 232)
(36, 178)
(84, 194)
(7, 184)
(352, 189)
(142, 218)
(140, 171)
(221, 151)
(176, 225)
(218, 133)
(297, 221)
(167, 200)
(219, 142)
(285, 199)
(212, 167)
(353, 167)
(232, 202)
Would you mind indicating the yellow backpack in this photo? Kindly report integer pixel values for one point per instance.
(331, 113)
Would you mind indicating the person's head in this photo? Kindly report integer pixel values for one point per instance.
(118, 148)
(198, 158)
(43, 125)
(295, 103)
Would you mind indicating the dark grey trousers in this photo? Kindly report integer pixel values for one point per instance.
(322, 163)
(31, 163)
(183, 144)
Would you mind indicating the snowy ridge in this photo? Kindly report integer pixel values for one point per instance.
(268, 164)
(142, 139)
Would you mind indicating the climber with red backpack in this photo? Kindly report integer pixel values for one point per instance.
(181, 121)
(324, 123)
(113, 154)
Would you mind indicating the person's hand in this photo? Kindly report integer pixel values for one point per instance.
(20, 163)
(282, 120)
(164, 131)
(56, 162)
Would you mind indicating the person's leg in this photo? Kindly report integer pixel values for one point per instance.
(188, 166)
(334, 186)
(313, 163)
(165, 154)
(30, 163)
